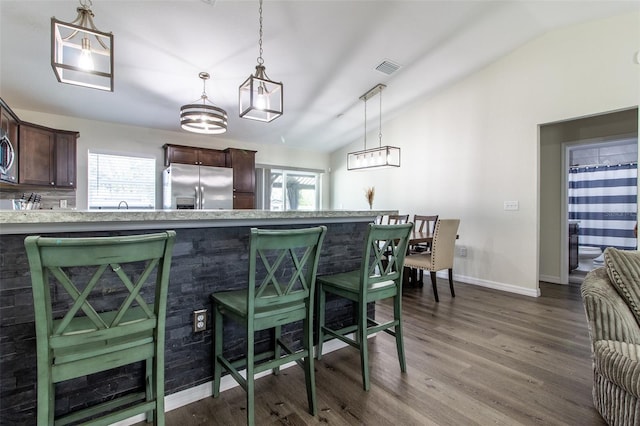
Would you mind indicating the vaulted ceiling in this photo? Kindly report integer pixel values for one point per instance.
(324, 52)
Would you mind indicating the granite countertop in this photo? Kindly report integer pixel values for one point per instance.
(25, 221)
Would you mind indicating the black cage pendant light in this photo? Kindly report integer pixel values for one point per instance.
(203, 117)
(80, 53)
(260, 98)
(374, 158)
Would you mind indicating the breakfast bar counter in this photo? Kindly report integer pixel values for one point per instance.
(29, 221)
(210, 254)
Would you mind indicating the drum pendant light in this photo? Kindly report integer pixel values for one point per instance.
(81, 54)
(203, 117)
(260, 98)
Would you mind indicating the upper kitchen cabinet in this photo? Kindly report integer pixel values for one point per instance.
(47, 156)
(192, 155)
(243, 163)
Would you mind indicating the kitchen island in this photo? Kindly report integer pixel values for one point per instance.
(210, 254)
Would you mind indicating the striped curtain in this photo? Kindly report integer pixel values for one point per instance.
(604, 200)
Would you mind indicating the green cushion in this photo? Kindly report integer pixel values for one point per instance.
(623, 268)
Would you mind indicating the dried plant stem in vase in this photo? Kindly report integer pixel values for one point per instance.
(369, 193)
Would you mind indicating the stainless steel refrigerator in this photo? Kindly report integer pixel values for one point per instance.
(187, 186)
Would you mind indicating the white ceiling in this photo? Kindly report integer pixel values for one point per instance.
(324, 52)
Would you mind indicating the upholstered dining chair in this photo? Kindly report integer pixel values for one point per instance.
(115, 292)
(441, 255)
(281, 289)
(379, 277)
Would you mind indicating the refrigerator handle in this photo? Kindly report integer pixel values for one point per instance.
(202, 197)
(197, 204)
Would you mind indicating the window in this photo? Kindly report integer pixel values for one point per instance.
(288, 189)
(114, 179)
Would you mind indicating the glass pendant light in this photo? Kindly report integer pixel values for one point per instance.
(74, 58)
(260, 98)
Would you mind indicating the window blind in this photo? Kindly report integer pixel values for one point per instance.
(116, 178)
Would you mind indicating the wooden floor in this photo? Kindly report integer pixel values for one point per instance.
(484, 358)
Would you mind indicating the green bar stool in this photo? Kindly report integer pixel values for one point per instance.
(379, 277)
(130, 276)
(281, 288)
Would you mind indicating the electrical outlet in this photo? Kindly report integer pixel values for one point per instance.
(63, 204)
(199, 320)
(462, 251)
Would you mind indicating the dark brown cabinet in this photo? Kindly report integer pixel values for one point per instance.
(244, 200)
(243, 163)
(47, 156)
(65, 158)
(192, 155)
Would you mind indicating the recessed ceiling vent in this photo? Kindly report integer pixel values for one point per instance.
(387, 67)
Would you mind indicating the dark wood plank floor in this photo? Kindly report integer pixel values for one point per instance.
(484, 358)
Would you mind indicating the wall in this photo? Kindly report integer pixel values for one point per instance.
(121, 139)
(474, 145)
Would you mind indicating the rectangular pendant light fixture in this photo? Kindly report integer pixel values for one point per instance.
(260, 98)
(81, 54)
(373, 158)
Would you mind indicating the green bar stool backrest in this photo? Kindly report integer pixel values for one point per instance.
(296, 249)
(100, 303)
(384, 253)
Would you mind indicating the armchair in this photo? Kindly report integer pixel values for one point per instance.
(608, 294)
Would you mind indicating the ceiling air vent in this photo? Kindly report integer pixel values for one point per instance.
(387, 67)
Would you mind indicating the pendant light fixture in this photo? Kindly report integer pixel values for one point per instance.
(374, 158)
(80, 53)
(260, 98)
(203, 117)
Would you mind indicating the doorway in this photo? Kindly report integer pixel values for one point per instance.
(553, 226)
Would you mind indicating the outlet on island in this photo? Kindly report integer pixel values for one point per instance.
(199, 320)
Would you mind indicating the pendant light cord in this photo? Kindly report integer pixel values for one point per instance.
(365, 124)
(380, 123)
(260, 60)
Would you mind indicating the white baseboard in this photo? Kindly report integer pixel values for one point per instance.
(551, 279)
(205, 390)
(533, 292)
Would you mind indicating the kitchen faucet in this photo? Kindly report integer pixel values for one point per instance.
(126, 205)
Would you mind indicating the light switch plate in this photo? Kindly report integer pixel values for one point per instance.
(511, 205)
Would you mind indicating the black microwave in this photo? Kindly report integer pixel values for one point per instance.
(8, 159)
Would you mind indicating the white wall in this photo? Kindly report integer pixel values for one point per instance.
(130, 140)
(474, 145)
